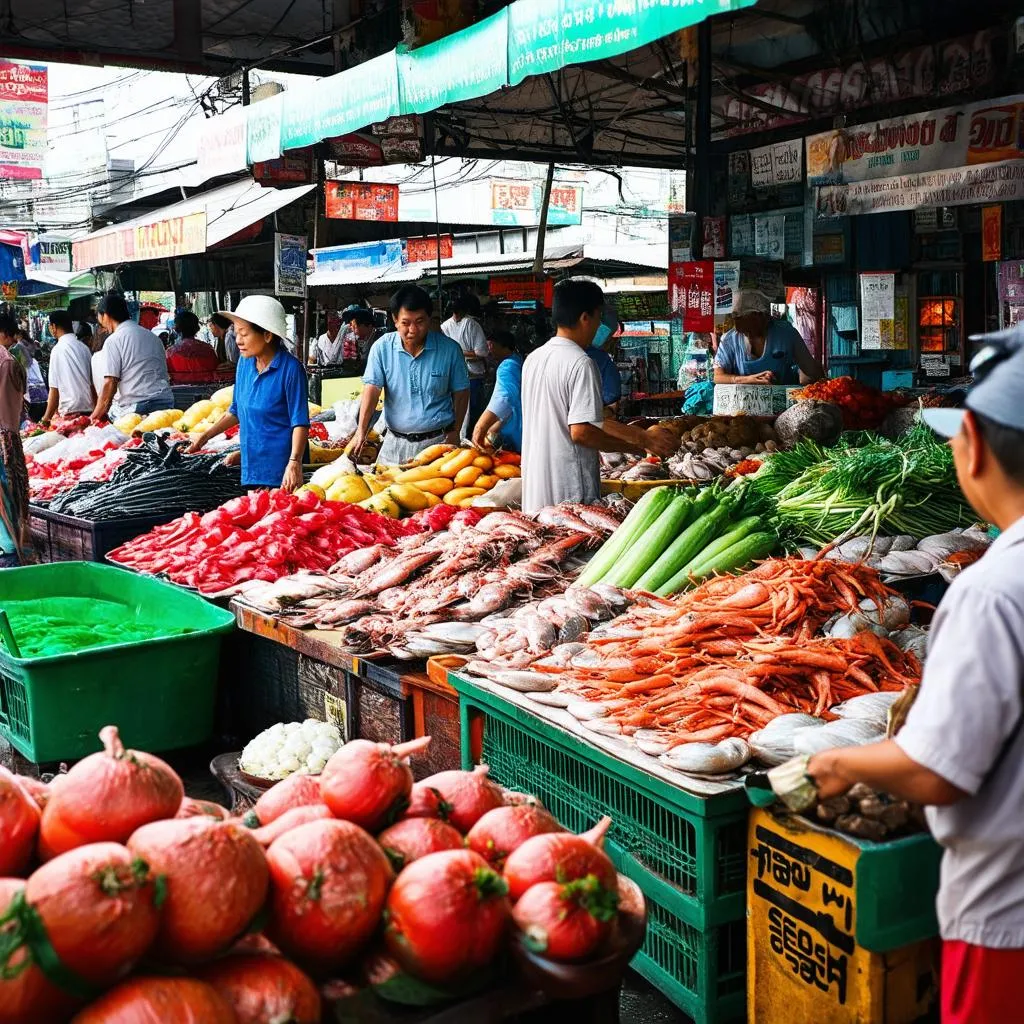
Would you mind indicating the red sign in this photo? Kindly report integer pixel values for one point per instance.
(359, 200)
(991, 233)
(290, 169)
(423, 250)
(522, 289)
(691, 289)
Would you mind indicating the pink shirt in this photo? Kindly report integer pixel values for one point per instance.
(11, 398)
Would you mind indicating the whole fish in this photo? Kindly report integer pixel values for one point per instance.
(708, 758)
(338, 613)
(588, 603)
(552, 699)
(652, 741)
(541, 636)
(559, 515)
(598, 517)
(525, 682)
(359, 560)
(391, 573)
(490, 598)
(455, 632)
(572, 629)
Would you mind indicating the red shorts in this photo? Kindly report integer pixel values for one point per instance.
(981, 986)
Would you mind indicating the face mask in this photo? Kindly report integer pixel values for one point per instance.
(603, 332)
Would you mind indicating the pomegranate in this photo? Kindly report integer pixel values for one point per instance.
(296, 816)
(426, 802)
(25, 992)
(295, 791)
(107, 796)
(505, 829)
(202, 809)
(412, 838)
(262, 989)
(216, 883)
(369, 783)
(99, 906)
(159, 1001)
(560, 857)
(469, 795)
(19, 825)
(447, 914)
(566, 921)
(328, 883)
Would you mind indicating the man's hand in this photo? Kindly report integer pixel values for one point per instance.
(292, 476)
(357, 442)
(196, 446)
(481, 441)
(828, 781)
(233, 458)
(453, 437)
(660, 441)
(764, 377)
(44, 423)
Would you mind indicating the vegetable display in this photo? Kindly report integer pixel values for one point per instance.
(194, 919)
(863, 407)
(154, 479)
(263, 535)
(868, 814)
(672, 538)
(866, 484)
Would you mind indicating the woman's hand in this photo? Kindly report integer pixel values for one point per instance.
(292, 476)
(196, 446)
(764, 377)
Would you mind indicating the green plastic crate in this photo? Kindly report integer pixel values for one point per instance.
(687, 854)
(160, 693)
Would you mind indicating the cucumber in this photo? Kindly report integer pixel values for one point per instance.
(737, 556)
(733, 532)
(644, 551)
(640, 517)
(691, 541)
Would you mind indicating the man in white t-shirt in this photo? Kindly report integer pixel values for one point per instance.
(465, 330)
(329, 348)
(71, 392)
(135, 365)
(564, 426)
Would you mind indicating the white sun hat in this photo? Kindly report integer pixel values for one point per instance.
(261, 311)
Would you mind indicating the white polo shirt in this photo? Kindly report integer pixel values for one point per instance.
(71, 375)
(969, 703)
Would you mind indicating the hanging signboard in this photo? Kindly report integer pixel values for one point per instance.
(692, 294)
(779, 164)
(294, 168)
(290, 265)
(54, 256)
(519, 202)
(161, 239)
(945, 69)
(998, 182)
(974, 133)
(223, 144)
(770, 236)
(423, 250)
(23, 106)
(360, 200)
(522, 289)
(991, 233)
(680, 237)
(382, 257)
(877, 311)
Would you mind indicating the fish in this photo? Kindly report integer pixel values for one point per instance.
(708, 758)
(393, 572)
(420, 646)
(455, 632)
(558, 515)
(588, 603)
(604, 728)
(358, 561)
(339, 612)
(541, 636)
(572, 629)
(597, 517)
(510, 523)
(525, 682)
(652, 741)
(586, 710)
(490, 597)
(552, 698)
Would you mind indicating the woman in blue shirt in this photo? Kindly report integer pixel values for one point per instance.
(271, 403)
(501, 423)
(761, 350)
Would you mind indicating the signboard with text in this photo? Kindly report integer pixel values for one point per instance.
(422, 250)
(359, 200)
(691, 289)
(162, 239)
(519, 202)
(290, 265)
(23, 106)
(522, 289)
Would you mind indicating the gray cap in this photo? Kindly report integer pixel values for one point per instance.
(999, 395)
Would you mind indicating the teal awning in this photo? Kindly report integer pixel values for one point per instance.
(526, 38)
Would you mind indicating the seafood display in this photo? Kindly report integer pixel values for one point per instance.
(693, 679)
(708, 448)
(426, 594)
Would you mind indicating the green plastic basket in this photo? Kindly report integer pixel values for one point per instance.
(687, 854)
(160, 693)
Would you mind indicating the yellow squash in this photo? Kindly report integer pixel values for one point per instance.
(459, 460)
(439, 486)
(435, 451)
(459, 494)
(467, 477)
(384, 504)
(350, 488)
(409, 496)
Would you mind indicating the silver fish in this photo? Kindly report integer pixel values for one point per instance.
(595, 516)
(541, 636)
(359, 560)
(393, 572)
(572, 629)
(603, 727)
(652, 741)
(525, 682)
(587, 603)
(420, 646)
(455, 632)
(708, 758)
(490, 597)
(587, 710)
(339, 612)
(552, 699)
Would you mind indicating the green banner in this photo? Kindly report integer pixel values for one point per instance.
(462, 66)
(343, 103)
(529, 37)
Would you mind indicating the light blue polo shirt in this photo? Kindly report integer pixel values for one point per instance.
(417, 392)
(268, 405)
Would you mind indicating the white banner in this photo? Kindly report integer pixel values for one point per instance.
(974, 133)
(989, 183)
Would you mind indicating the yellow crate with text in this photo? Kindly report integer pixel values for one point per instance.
(808, 889)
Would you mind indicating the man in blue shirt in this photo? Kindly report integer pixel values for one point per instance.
(501, 423)
(424, 379)
(611, 382)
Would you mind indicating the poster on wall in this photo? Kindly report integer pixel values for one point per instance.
(877, 310)
(727, 284)
(714, 238)
(680, 237)
(360, 200)
(804, 307)
(290, 265)
(691, 294)
(779, 164)
(770, 236)
(23, 109)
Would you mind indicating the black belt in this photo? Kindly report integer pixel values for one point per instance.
(426, 434)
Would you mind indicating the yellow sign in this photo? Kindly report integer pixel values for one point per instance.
(160, 239)
(804, 963)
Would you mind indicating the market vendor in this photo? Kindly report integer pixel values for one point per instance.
(424, 379)
(463, 327)
(222, 330)
(134, 365)
(564, 426)
(961, 751)
(71, 391)
(761, 349)
(501, 423)
(611, 382)
(13, 383)
(358, 333)
(270, 400)
(190, 359)
(329, 347)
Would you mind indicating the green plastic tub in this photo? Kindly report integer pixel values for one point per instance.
(159, 692)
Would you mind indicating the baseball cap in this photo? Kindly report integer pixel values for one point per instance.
(998, 370)
(749, 300)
